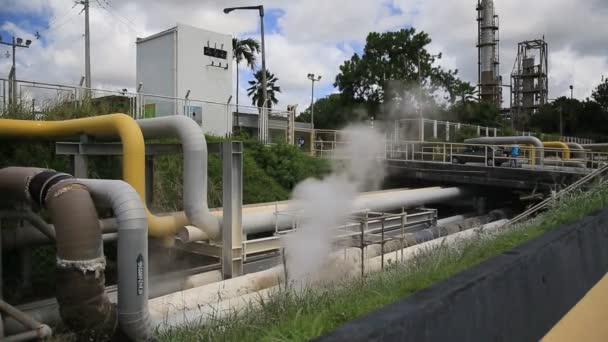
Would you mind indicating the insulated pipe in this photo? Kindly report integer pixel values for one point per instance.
(194, 148)
(37, 330)
(133, 165)
(595, 146)
(538, 145)
(559, 145)
(33, 219)
(83, 303)
(201, 306)
(29, 236)
(578, 151)
(133, 315)
(262, 218)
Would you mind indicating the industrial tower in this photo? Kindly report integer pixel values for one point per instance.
(529, 80)
(489, 79)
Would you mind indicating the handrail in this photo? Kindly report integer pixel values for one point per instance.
(560, 194)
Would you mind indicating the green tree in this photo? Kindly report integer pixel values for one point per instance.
(395, 65)
(600, 94)
(255, 89)
(476, 113)
(331, 112)
(244, 50)
(463, 92)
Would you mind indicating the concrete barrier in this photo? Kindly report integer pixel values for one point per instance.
(516, 296)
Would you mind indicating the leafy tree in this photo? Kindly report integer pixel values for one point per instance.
(476, 113)
(578, 117)
(394, 64)
(244, 50)
(600, 94)
(331, 112)
(255, 89)
(463, 92)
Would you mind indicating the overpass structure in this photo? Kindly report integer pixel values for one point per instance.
(543, 169)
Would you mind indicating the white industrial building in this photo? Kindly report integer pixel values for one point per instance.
(187, 62)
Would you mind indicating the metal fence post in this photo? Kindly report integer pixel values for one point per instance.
(232, 229)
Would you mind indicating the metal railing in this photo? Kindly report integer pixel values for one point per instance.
(218, 117)
(460, 153)
(569, 189)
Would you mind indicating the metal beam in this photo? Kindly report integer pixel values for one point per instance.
(115, 149)
(232, 228)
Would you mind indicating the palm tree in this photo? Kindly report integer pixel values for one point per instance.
(255, 89)
(243, 50)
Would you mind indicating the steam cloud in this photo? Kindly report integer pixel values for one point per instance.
(327, 203)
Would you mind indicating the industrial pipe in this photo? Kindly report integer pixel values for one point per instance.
(559, 145)
(130, 212)
(83, 304)
(133, 165)
(36, 330)
(194, 148)
(259, 218)
(577, 150)
(28, 236)
(230, 296)
(538, 145)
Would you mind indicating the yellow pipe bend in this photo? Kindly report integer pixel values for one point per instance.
(557, 144)
(133, 165)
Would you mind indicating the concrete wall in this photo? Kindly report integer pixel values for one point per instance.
(516, 296)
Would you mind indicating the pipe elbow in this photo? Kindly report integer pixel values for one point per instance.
(204, 220)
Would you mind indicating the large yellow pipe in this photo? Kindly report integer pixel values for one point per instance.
(133, 164)
(557, 144)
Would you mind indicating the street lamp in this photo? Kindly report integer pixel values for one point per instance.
(16, 42)
(571, 92)
(260, 9)
(314, 79)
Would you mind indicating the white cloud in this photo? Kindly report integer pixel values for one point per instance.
(574, 30)
(314, 36)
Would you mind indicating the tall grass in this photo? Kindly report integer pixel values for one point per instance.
(300, 316)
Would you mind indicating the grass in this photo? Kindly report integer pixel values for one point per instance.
(291, 316)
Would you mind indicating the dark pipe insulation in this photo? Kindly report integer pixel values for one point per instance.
(84, 305)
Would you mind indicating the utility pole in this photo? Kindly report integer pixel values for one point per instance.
(87, 43)
(16, 42)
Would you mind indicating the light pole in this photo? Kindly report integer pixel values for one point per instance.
(314, 79)
(571, 92)
(260, 9)
(16, 42)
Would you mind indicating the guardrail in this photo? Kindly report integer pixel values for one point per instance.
(460, 153)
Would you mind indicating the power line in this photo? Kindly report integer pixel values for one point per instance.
(117, 16)
(56, 18)
(60, 21)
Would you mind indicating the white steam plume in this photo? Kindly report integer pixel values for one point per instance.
(324, 204)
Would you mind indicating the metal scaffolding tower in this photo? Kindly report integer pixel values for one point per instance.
(489, 79)
(529, 80)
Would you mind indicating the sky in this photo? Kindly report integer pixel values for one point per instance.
(304, 36)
